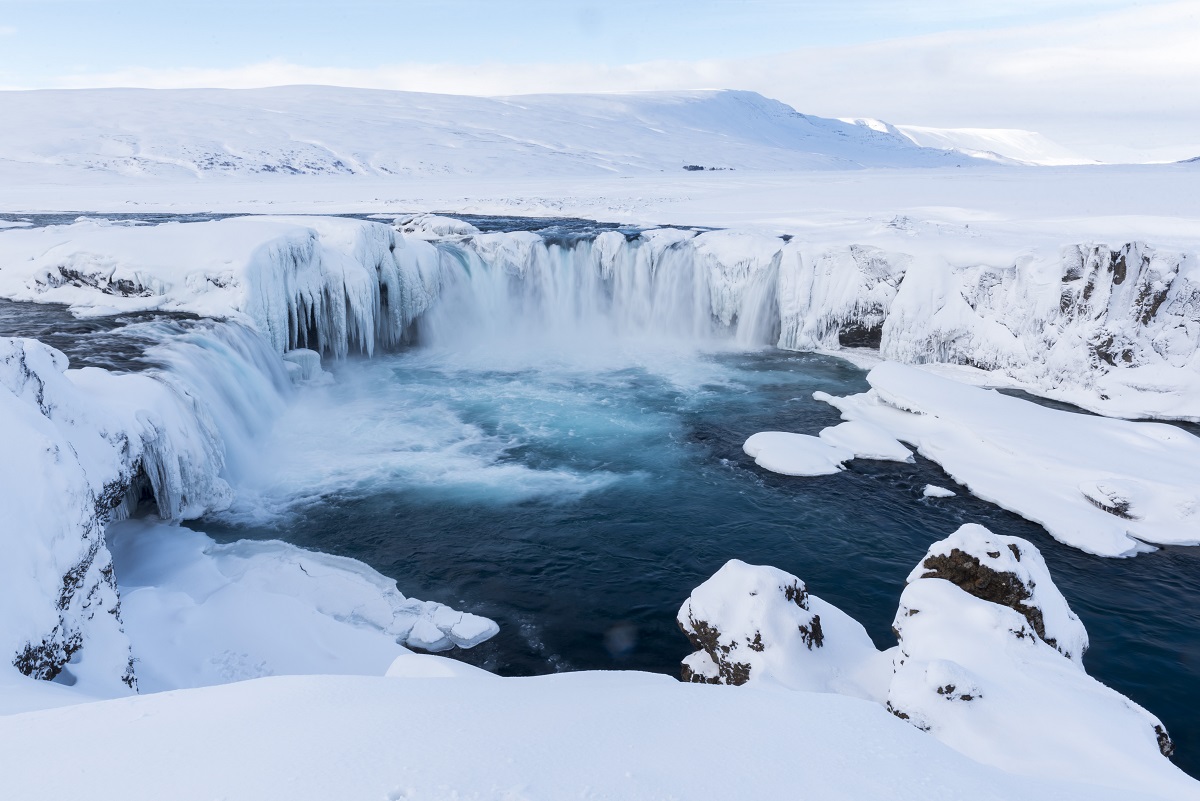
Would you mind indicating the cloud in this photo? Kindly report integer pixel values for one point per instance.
(1115, 85)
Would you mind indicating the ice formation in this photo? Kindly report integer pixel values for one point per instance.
(989, 661)
(85, 447)
(1114, 329)
(1105, 486)
(186, 599)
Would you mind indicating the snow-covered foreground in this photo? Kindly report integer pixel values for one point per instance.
(584, 735)
(993, 679)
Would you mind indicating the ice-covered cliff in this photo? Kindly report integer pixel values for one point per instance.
(1115, 329)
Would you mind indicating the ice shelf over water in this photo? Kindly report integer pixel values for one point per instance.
(1105, 486)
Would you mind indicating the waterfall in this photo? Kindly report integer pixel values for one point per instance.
(517, 289)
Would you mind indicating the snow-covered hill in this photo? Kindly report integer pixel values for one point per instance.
(1027, 147)
(183, 135)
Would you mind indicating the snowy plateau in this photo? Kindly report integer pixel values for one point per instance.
(264, 236)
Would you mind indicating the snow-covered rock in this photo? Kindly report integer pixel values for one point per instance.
(758, 624)
(79, 447)
(1105, 486)
(989, 663)
(1008, 571)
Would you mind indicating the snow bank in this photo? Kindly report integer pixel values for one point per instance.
(579, 735)
(989, 662)
(1105, 486)
(198, 613)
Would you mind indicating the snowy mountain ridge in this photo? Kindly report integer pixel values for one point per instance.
(188, 135)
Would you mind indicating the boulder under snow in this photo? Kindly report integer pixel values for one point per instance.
(759, 624)
(989, 661)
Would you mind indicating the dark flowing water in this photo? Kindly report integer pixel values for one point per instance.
(579, 503)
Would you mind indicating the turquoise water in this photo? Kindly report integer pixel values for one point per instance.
(577, 501)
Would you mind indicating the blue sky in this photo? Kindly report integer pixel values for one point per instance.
(46, 39)
(1112, 79)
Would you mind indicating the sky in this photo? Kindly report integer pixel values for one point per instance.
(1109, 79)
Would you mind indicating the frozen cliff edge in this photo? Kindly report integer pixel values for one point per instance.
(83, 448)
(1114, 328)
(330, 284)
(988, 662)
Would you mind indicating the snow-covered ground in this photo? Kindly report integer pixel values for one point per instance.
(1005, 706)
(184, 136)
(1078, 283)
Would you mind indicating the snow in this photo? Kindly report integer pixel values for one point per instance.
(866, 441)
(293, 280)
(989, 661)
(1027, 147)
(1079, 284)
(978, 677)
(200, 613)
(1105, 486)
(825, 454)
(795, 454)
(932, 491)
(581, 735)
(283, 133)
(758, 625)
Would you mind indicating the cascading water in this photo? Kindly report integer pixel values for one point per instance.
(522, 291)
